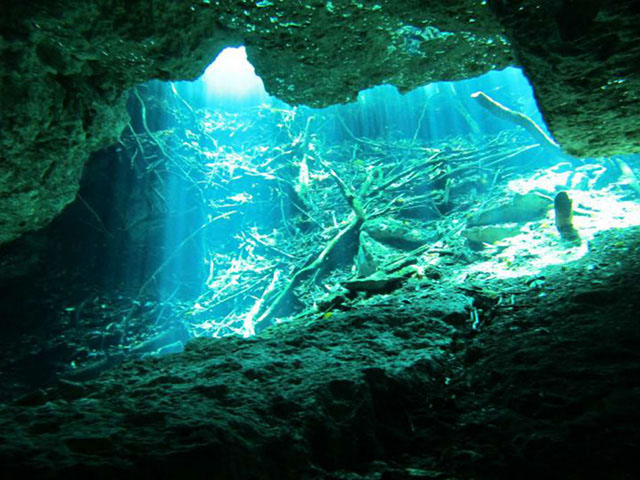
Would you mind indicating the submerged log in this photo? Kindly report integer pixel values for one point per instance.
(522, 120)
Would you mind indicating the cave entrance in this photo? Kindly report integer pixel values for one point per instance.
(223, 210)
(252, 211)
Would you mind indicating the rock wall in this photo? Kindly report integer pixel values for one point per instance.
(582, 57)
(66, 68)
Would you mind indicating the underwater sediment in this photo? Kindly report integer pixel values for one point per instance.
(404, 387)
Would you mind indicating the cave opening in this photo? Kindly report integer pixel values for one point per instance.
(270, 187)
(223, 210)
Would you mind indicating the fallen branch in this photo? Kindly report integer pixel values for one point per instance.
(357, 218)
(349, 195)
(353, 224)
(427, 163)
(520, 119)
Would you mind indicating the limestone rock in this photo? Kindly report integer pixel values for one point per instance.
(520, 208)
(582, 58)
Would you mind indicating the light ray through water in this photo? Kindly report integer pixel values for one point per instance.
(261, 162)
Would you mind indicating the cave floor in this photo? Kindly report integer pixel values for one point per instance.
(526, 377)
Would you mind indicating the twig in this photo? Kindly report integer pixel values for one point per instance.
(143, 114)
(271, 247)
(137, 140)
(95, 214)
(177, 95)
(249, 325)
(236, 294)
(353, 224)
(424, 110)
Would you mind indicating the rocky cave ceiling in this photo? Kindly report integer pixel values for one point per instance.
(66, 68)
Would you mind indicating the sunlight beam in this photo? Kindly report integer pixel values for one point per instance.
(231, 75)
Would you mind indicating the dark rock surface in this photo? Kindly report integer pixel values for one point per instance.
(65, 67)
(401, 388)
(582, 57)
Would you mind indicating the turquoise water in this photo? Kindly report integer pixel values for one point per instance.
(227, 133)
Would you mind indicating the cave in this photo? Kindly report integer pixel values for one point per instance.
(347, 240)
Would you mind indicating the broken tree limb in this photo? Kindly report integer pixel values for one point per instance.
(353, 224)
(432, 161)
(520, 119)
(355, 220)
(349, 195)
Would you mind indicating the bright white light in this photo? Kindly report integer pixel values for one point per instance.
(540, 245)
(231, 75)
